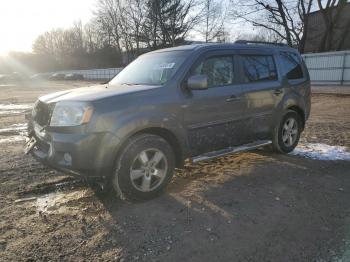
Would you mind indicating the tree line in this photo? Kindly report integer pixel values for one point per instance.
(121, 30)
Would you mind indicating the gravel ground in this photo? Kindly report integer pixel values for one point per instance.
(255, 206)
(326, 89)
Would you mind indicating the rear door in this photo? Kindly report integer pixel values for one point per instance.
(262, 91)
(214, 117)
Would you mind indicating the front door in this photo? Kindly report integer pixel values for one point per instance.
(214, 117)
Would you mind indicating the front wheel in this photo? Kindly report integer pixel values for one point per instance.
(144, 167)
(287, 133)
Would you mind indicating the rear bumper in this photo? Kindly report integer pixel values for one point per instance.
(79, 154)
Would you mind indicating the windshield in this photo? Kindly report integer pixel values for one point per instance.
(152, 69)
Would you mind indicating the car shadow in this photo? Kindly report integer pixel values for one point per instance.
(254, 206)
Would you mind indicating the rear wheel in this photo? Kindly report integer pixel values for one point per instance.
(287, 133)
(144, 167)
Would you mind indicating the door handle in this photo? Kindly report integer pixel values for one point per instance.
(277, 92)
(232, 98)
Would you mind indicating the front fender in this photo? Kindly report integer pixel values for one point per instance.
(125, 124)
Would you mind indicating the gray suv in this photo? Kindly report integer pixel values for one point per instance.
(193, 102)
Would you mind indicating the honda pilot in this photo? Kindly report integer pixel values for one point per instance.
(193, 102)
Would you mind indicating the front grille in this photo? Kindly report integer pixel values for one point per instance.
(42, 113)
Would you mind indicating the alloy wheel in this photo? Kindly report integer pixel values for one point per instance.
(148, 170)
(290, 132)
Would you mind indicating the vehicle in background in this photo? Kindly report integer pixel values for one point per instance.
(57, 76)
(192, 102)
(73, 76)
(40, 76)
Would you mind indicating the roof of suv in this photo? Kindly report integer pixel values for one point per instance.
(210, 46)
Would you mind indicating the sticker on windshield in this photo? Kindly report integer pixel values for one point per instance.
(165, 66)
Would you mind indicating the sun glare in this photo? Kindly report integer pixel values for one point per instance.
(21, 21)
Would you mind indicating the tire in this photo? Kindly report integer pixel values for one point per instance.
(285, 140)
(144, 167)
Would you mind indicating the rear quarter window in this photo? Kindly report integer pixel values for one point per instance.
(291, 65)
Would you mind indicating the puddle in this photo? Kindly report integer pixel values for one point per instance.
(59, 202)
(321, 151)
(56, 197)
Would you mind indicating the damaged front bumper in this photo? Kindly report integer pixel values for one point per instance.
(83, 154)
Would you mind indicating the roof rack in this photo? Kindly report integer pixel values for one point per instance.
(259, 42)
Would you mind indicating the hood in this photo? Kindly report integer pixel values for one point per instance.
(93, 93)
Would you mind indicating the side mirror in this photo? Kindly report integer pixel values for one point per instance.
(197, 82)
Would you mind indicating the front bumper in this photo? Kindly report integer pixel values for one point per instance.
(90, 154)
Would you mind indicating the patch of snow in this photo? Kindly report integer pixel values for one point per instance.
(10, 109)
(321, 151)
(15, 106)
(10, 112)
(7, 85)
(14, 127)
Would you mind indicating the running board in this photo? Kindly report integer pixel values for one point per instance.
(231, 150)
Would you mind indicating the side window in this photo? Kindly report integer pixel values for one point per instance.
(259, 68)
(291, 65)
(219, 70)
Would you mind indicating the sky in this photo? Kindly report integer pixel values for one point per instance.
(21, 21)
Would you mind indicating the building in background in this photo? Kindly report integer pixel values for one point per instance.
(335, 36)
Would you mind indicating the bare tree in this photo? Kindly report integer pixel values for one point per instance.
(287, 19)
(304, 9)
(177, 21)
(212, 23)
(51, 42)
(93, 39)
(107, 17)
(43, 44)
(136, 11)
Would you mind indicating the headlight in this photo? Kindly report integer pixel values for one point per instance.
(71, 114)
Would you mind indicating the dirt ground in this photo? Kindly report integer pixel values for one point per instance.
(255, 206)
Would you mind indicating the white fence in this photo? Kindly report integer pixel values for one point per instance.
(331, 68)
(95, 74)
